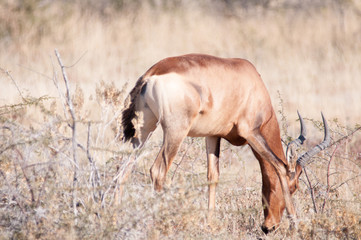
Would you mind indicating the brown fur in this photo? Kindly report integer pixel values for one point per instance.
(202, 95)
(205, 96)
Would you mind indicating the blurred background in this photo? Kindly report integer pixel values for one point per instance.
(58, 181)
(308, 51)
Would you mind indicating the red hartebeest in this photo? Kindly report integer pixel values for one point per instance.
(205, 96)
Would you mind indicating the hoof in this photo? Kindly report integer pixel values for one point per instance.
(135, 143)
(158, 187)
(158, 184)
(267, 230)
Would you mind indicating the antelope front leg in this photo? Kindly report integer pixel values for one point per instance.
(213, 148)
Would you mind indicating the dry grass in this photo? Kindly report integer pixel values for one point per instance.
(310, 55)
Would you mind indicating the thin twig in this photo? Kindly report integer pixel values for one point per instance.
(344, 182)
(311, 190)
(34, 71)
(72, 65)
(95, 180)
(47, 176)
(122, 175)
(328, 177)
(178, 164)
(61, 95)
(73, 127)
(347, 136)
(67, 85)
(21, 164)
(14, 82)
(283, 117)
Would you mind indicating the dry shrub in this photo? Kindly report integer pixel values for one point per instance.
(308, 54)
(37, 187)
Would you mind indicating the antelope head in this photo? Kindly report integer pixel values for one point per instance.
(295, 163)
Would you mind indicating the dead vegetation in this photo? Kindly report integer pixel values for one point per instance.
(62, 166)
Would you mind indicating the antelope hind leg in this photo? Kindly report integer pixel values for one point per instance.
(171, 143)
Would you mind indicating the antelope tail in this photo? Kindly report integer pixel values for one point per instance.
(129, 112)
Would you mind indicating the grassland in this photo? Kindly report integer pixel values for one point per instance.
(62, 170)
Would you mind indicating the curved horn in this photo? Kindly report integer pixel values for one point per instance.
(302, 137)
(291, 155)
(324, 144)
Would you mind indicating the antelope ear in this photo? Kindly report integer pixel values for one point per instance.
(298, 171)
(294, 183)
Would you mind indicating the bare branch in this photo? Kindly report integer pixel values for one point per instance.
(328, 176)
(348, 135)
(311, 190)
(72, 65)
(27, 180)
(344, 182)
(73, 127)
(14, 82)
(178, 164)
(62, 97)
(95, 179)
(67, 85)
